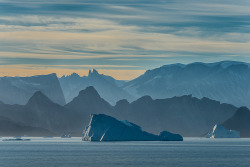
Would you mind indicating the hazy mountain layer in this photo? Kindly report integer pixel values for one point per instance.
(108, 87)
(18, 90)
(227, 82)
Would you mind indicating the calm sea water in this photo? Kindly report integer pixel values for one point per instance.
(194, 152)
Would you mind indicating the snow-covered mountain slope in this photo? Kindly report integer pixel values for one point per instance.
(225, 81)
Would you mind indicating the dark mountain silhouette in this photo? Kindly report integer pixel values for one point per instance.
(89, 102)
(41, 112)
(225, 81)
(240, 121)
(185, 115)
(108, 87)
(18, 90)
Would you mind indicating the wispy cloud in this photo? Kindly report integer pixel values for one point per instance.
(132, 34)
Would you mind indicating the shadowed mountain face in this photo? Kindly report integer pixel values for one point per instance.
(41, 112)
(10, 128)
(89, 102)
(18, 90)
(184, 115)
(108, 87)
(240, 121)
(227, 82)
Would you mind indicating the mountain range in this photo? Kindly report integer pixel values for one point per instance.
(185, 99)
(226, 81)
(185, 115)
(109, 88)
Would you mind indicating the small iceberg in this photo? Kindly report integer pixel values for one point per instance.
(220, 131)
(66, 136)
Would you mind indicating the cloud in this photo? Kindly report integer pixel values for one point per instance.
(132, 34)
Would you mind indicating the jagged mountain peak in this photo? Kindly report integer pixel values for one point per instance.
(107, 87)
(74, 75)
(93, 72)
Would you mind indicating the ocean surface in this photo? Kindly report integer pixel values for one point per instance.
(193, 152)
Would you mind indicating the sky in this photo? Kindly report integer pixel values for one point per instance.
(117, 37)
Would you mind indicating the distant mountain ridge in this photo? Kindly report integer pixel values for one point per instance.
(109, 88)
(18, 90)
(223, 64)
(226, 81)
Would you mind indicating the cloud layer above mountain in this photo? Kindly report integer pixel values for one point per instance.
(127, 36)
